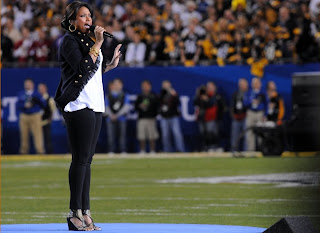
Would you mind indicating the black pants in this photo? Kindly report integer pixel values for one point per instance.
(47, 138)
(83, 128)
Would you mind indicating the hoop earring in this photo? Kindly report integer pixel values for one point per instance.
(72, 29)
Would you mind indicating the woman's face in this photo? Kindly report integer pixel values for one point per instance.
(83, 20)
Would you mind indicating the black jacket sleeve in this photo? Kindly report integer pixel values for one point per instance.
(80, 63)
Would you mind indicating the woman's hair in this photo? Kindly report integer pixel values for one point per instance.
(72, 11)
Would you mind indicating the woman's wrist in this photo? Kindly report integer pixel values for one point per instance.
(97, 45)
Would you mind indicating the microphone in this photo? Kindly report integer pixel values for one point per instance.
(107, 34)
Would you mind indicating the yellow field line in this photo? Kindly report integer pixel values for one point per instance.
(158, 155)
(131, 155)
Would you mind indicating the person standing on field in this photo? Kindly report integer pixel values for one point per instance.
(47, 117)
(30, 103)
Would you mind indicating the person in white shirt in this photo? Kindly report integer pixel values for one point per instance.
(80, 98)
(136, 52)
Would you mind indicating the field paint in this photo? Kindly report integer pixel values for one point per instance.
(248, 200)
(134, 156)
(293, 179)
(35, 164)
(43, 163)
(226, 205)
(206, 206)
(157, 155)
(208, 214)
(145, 210)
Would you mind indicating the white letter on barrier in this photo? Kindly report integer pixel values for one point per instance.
(11, 103)
(185, 110)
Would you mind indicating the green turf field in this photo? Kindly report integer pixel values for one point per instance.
(138, 190)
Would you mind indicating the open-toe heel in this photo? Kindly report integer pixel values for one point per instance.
(76, 214)
(90, 225)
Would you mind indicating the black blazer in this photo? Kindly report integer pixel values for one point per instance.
(77, 67)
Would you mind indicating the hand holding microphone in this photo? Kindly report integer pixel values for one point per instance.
(99, 29)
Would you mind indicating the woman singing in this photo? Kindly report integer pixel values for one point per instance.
(80, 98)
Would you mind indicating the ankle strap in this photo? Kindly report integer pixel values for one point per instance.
(86, 212)
(77, 214)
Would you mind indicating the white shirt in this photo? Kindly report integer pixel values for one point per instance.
(135, 54)
(92, 95)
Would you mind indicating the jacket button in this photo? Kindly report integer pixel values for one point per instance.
(76, 81)
(87, 44)
(79, 33)
(82, 40)
(80, 76)
(86, 61)
(88, 67)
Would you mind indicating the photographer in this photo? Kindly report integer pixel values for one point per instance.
(209, 107)
(30, 103)
(275, 104)
(169, 104)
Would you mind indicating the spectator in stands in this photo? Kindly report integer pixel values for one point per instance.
(238, 114)
(117, 107)
(190, 13)
(307, 47)
(209, 110)
(177, 23)
(146, 106)
(255, 102)
(23, 12)
(189, 47)
(6, 48)
(169, 111)
(287, 32)
(275, 104)
(47, 116)
(156, 48)
(40, 48)
(172, 49)
(288, 20)
(30, 103)
(178, 7)
(22, 47)
(241, 49)
(224, 50)
(117, 31)
(272, 49)
(221, 6)
(314, 8)
(11, 31)
(136, 52)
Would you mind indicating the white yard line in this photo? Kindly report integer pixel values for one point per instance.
(280, 180)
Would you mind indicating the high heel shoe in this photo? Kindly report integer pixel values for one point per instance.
(76, 214)
(90, 225)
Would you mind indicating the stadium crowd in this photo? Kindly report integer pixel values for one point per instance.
(172, 31)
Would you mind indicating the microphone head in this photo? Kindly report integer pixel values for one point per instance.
(92, 27)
